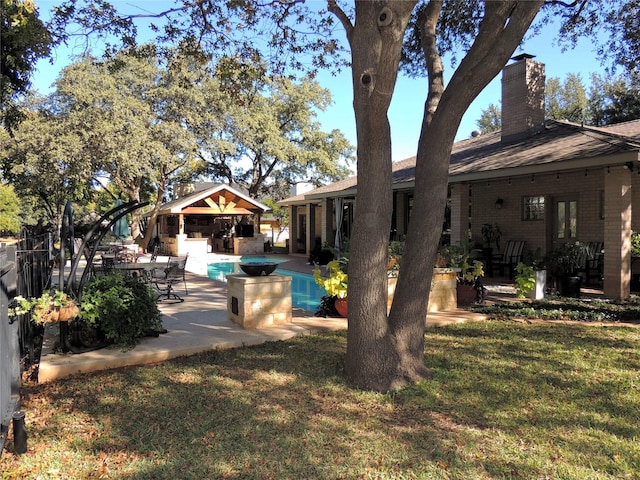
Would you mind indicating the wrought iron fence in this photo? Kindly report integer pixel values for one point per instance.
(9, 347)
(34, 266)
(26, 269)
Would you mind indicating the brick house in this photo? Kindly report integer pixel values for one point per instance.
(545, 182)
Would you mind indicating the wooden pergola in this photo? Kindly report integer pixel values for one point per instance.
(193, 221)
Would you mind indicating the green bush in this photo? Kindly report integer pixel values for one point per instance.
(525, 280)
(121, 307)
(566, 309)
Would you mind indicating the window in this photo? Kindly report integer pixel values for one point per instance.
(533, 208)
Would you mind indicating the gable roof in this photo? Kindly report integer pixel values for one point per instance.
(219, 199)
(558, 146)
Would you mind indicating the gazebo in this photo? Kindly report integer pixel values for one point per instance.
(209, 217)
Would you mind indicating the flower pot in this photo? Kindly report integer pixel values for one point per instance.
(569, 286)
(541, 285)
(466, 294)
(341, 306)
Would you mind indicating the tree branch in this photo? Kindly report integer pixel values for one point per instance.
(428, 22)
(500, 32)
(332, 6)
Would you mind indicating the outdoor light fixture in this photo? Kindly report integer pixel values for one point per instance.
(499, 203)
(629, 165)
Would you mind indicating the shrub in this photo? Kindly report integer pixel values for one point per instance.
(525, 279)
(121, 307)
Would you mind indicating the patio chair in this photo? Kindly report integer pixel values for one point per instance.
(154, 252)
(108, 263)
(510, 258)
(174, 273)
(591, 264)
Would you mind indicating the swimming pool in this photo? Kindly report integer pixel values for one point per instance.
(305, 292)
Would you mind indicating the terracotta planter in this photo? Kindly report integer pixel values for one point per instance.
(466, 294)
(341, 306)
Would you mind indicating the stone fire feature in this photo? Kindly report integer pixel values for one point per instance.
(257, 302)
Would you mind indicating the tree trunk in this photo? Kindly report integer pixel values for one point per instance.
(373, 361)
(387, 352)
(153, 218)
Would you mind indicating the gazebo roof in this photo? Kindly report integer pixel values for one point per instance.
(220, 200)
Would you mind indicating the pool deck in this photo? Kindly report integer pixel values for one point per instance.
(200, 324)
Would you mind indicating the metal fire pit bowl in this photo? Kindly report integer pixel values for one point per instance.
(258, 269)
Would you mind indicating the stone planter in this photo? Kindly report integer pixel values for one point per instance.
(442, 297)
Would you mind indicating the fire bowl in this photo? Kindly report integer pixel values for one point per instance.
(257, 269)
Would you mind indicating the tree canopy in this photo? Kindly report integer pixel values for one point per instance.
(10, 220)
(145, 123)
(23, 40)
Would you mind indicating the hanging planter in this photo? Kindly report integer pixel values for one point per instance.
(47, 308)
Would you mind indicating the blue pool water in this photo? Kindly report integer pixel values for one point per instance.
(305, 292)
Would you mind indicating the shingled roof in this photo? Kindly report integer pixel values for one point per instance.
(559, 146)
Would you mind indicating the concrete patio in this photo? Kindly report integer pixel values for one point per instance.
(200, 324)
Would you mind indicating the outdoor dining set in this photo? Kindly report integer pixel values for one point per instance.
(162, 273)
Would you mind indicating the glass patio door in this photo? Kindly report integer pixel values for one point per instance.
(565, 226)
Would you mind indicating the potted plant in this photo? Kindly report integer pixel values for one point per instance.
(462, 257)
(491, 235)
(335, 284)
(51, 306)
(564, 262)
(531, 276)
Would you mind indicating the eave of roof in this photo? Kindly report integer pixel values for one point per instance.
(559, 146)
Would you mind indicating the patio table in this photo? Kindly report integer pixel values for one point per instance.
(140, 268)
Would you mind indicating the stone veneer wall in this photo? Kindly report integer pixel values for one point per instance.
(443, 296)
(257, 302)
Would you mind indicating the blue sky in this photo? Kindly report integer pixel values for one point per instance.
(407, 106)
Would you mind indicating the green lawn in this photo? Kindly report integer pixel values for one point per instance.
(505, 400)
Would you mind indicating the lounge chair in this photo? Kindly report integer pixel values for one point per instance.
(511, 256)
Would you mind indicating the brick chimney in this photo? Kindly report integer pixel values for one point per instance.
(522, 98)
